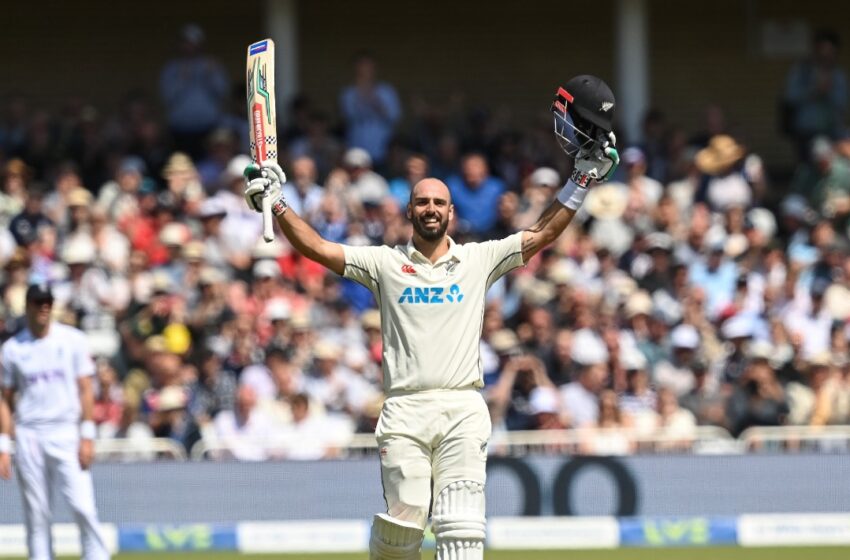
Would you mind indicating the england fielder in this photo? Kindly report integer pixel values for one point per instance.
(48, 367)
(434, 424)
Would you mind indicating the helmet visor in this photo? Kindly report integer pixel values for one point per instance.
(575, 136)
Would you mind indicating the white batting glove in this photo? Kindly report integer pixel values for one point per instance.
(265, 180)
(598, 165)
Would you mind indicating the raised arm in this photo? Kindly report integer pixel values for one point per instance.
(588, 169)
(300, 234)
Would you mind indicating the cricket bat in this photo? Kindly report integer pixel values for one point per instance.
(262, 118)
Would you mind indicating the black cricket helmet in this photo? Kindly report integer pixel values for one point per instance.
(584, 114)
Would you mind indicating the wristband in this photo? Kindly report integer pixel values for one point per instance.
(279, 207)
(5, 443)
(572, 195)
(88, 430)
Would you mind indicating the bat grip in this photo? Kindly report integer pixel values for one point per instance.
(268, 226)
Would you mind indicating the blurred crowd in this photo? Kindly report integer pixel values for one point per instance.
(688, 291)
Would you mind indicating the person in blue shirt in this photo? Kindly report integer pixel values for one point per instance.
(475, 194)
(370, 109)
(415, 169)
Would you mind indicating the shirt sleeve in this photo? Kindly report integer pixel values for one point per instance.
(83, 363)
(501, 256)
(362, 265)
(7, 369)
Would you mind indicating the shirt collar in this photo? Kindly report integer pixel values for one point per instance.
(452, 254)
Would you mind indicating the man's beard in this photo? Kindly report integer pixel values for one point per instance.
(429, 234)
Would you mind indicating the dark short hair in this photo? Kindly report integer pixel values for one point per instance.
(827, 36)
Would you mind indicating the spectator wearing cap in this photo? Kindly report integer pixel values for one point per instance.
(365, 186)
(644, 192)
(475, 194)
(544, 404)
(193, 87)
(658, 273)
(638, 400)
(302, 193)
(737, 331)
(537, 190)
(211, 214)
(676, 372)
(415, 169)
(370, 109)
(580, 398)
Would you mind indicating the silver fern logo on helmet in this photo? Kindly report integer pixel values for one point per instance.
(606, 106)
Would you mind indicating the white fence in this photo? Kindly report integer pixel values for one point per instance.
(701, 440)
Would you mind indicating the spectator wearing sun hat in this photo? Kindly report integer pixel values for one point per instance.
(725, 185)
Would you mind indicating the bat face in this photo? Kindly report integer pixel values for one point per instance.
(260, 97)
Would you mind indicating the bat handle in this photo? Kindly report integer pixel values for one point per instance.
(268, 226)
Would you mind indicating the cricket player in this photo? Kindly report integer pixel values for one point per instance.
(48, 368)
(434, 425)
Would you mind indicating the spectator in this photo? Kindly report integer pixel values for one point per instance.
(26, 225)
(610, 438)
(302, 193)
(415, 169)
(311, 436)
(366, 186)
(580, 398)
(475, 194)
(757, 400)
(370, 110)
(245, 431)
(108, 400)
(815, 97)
(194, 89)
(675, 373)
(725, 185)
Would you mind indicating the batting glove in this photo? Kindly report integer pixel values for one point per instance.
(264, 180)
(598, 165)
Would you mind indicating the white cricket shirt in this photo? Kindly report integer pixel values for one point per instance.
(44, 373)
(432, 314)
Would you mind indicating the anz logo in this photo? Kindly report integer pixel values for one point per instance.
(436, 294)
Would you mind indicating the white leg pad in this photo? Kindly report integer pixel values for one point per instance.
(458, 522)
(394, 539)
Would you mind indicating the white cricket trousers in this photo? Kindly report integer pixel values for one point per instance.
(432, 434)
(45, 457)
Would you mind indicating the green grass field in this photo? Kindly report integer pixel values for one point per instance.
(715, 553)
